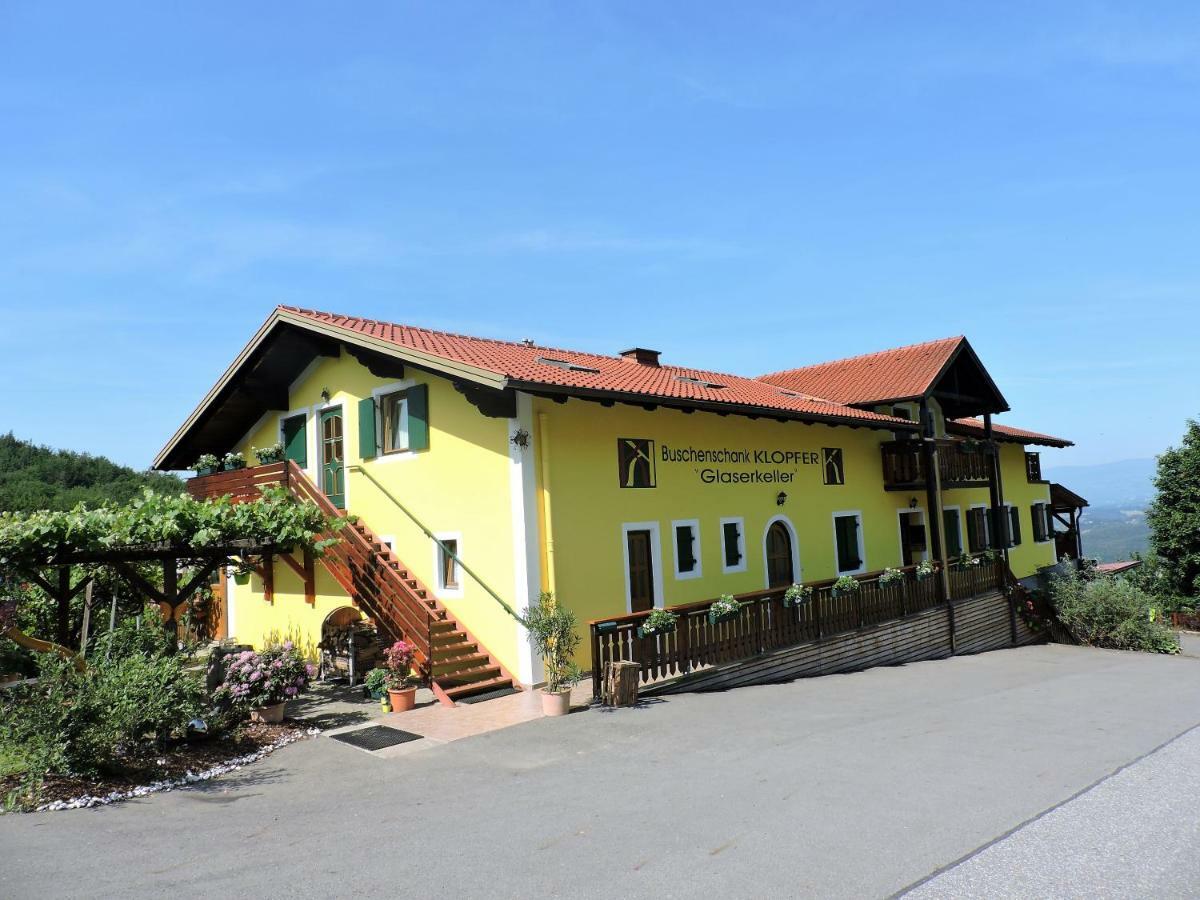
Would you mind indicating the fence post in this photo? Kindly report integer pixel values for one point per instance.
(596, 674)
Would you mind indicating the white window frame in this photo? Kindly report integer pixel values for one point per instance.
(377, 393)
(900, 514)
(987, 529)
(962, 538)
(439, 584)
(741, 566)
(862, 542)
(1008, 508)
(694, 525)
(797, 572)
(655, 561)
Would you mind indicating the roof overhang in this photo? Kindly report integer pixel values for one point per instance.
(259, 377)
(962, 387)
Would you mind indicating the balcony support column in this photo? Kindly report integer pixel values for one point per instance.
(1000, 523)
(933, 496)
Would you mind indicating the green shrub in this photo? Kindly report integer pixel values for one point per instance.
(555, 634)
(89, 722)
(1111, 612)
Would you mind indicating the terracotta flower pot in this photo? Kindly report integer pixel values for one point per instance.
(403, 699)
(556, 703)
(272, 714)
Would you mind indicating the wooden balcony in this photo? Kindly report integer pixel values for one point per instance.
(904, 465)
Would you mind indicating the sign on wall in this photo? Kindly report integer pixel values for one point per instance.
(835, 471)
(635, 462)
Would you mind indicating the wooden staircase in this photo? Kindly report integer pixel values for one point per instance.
(458, 666)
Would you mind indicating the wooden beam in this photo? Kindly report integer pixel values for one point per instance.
(268, 570)
(292, 564)
(310, 579)
(138, 582)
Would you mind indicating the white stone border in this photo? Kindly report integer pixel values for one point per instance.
(89, 801)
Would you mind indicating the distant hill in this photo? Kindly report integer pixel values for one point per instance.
(1114, 526)
(33, 477)
(1127, 484)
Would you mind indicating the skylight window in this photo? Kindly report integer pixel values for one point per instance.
(687, 379)
(566, 364)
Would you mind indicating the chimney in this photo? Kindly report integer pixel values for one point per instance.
(642, 356)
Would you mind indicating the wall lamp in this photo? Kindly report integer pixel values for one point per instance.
(912, 502)
(780, 498)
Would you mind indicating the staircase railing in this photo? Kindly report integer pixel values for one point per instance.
(355, 563)
(429, 534)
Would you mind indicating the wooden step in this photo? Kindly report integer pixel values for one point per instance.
(447, 640)
(467, 676)
(456, 665)
(443, 627)
(450, 651)
(479, 687)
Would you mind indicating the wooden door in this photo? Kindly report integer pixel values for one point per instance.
(333, 474)
(641, 571)
(779, 556)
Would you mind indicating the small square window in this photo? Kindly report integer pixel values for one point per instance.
(847, 532)
(733, 545)
(687, 548)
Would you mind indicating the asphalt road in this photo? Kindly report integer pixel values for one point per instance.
(857, 785)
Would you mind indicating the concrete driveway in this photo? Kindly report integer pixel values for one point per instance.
(856, 785)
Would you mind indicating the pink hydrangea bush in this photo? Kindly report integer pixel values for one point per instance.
(261, 679)
(398, 664)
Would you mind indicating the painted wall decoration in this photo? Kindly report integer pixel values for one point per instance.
(635, 462)
(835, 469)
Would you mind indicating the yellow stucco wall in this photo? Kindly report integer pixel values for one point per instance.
(459, 485)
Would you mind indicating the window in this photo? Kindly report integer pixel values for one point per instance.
(687, 548)
(448, 574)
(1033, 467)
(393, 421)
(952, 528)
(847, 537)
(977, 529)
(733, 545)
(1014, 526)
(566, 364)
(1043, 524)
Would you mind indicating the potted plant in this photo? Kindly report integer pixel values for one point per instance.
(723, 609)
(207, 464)
(891, 577)
(925, 569)
(659, 621)
(267, 455)
(797, 595)
(375, 684)
(845, 586)
(262, 683)
(553, 629)
(399, 677)
(232, 461)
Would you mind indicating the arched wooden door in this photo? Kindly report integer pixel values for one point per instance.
(779, 556)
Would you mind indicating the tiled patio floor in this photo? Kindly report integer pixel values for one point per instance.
(441, 724)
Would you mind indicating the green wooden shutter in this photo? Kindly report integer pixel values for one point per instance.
(368, 447)
(973, 530)
(295, 440)
(847, 543)
(418, 417)
(685, 548)
(1014, 526)
(951, 533)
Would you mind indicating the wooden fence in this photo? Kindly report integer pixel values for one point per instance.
(764, 623)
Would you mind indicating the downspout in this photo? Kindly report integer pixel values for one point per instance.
(548, 526)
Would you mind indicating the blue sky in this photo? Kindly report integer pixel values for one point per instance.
(745, 186)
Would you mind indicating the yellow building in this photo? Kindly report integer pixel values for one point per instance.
(496, 470)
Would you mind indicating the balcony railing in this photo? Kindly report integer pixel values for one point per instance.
(765, 623)
(904, 465)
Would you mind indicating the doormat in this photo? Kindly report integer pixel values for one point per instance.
(375, 737)
(489, 695)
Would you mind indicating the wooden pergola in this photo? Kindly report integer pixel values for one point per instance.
(54, 575)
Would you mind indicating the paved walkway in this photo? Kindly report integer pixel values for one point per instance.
(846, 786)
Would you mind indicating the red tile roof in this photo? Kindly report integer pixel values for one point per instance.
(528, 365)
(974, 428)
(1116, 568)
(898, 374)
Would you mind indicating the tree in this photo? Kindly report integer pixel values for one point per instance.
(1174, 516)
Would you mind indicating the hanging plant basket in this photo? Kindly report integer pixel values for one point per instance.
(643, 631)
(207, 470)
(242, 578)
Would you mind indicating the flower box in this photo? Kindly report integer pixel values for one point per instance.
(644, 631)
